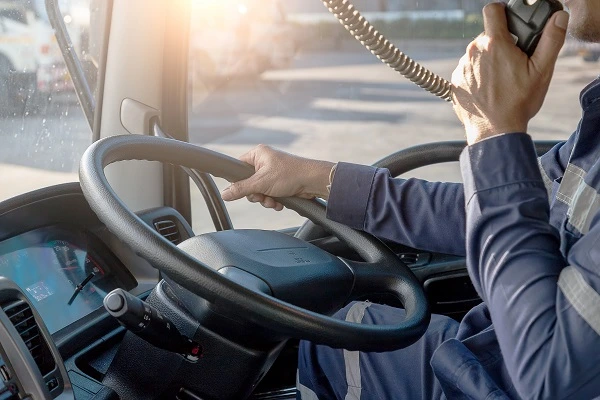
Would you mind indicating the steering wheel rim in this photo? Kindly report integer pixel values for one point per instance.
(284, 318)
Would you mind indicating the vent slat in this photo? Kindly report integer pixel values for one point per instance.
(169, 230)
(34, 348)
(17, 305)
(23, 322)
(27, 330)
(21, 316)
(31, 339)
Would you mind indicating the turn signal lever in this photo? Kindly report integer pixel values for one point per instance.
(148, 323)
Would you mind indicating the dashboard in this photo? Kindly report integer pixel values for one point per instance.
(57, 263)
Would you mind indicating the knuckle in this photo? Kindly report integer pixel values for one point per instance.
(485, 42)
(239, 189)
(234, 189)
(472, 48)
(264, 147)
(456, 76)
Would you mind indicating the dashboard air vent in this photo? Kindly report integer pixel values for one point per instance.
(168, 228)
(414, 260)
(409, 258)
(22, 318)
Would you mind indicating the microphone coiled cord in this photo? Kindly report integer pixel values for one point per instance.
(377, 44)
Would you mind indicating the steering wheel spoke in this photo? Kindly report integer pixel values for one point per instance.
(377, 278)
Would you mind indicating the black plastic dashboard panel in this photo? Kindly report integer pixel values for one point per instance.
(61, 213)
(61, 204)
(50, 241)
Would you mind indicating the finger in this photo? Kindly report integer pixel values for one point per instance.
(268, 202)
(458, 73)
(494, 21)
(255, 197)
(551, 42)
(278, 206)
(240, 189)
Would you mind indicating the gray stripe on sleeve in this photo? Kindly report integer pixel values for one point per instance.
(585, 206)
(305, 392)
(547, 181)
(571, 181)
(352, 358)
(584, 299)
(582, 199)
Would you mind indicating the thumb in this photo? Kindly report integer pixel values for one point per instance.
(551, 42)
(239, 189)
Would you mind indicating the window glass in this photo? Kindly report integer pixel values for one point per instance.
(287, 74)
(43, 130)
(14, 15)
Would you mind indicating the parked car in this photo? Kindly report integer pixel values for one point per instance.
(31, 64)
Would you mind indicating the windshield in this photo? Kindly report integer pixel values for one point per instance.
(43, 130)
(278, 72)
(300, 82)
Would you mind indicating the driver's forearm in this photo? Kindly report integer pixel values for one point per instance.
(420, 214)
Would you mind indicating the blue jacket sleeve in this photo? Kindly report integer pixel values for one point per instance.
(545, 309)
(420, 214)
(554, 162)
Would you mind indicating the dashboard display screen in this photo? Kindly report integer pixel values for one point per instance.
(61, 272)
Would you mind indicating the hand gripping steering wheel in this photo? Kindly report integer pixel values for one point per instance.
(302, 283)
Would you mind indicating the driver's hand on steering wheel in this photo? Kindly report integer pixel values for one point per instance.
(280, 174)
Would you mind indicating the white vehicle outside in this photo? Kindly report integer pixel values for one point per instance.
(30, 62)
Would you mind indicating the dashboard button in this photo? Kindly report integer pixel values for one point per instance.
(52, 384)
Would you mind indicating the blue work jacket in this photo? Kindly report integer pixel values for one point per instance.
(530, 230)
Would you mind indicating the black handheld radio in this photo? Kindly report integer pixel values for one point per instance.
(526, 20)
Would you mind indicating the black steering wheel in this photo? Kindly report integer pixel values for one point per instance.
(264, 277)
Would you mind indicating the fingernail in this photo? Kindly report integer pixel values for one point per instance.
(562, 20)
(225, 194)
